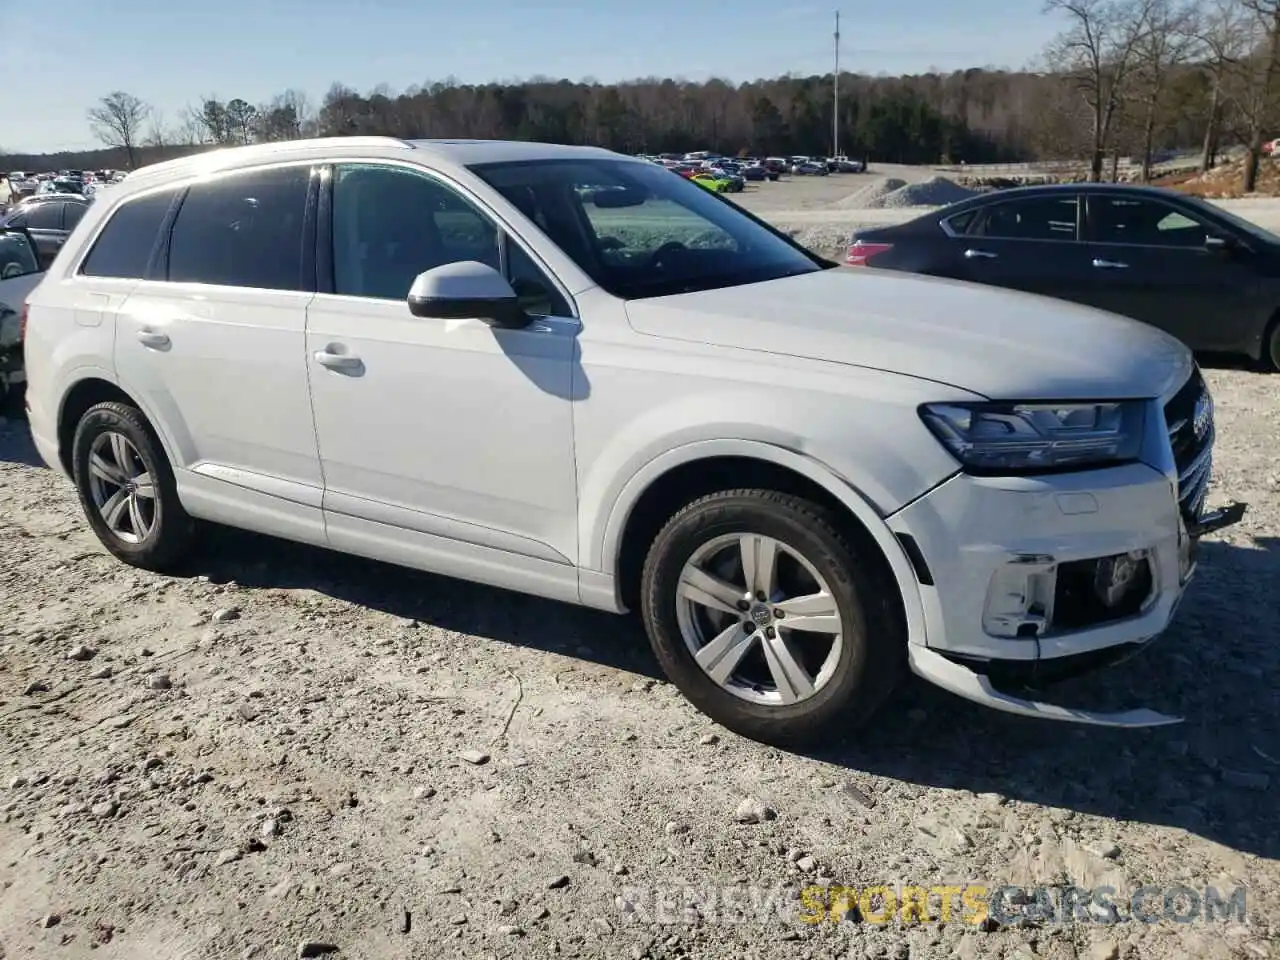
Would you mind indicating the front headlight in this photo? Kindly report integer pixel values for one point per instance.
(1001, 438)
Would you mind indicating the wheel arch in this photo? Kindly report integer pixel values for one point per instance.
(670, 481)
(88, 392)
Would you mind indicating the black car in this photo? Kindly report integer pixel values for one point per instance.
(49, 219)
(1174, 261)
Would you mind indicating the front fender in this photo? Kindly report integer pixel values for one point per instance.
(605, 538)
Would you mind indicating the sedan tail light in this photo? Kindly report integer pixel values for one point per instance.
(860, 252)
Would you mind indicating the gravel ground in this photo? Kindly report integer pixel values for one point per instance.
(284, 749)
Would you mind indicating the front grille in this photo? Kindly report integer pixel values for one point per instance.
(1192, 454)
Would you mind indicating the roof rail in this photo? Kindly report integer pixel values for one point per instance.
(219, 157)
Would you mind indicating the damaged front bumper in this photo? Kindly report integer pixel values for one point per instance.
(1026, 582)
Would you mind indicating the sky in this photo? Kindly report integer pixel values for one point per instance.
(172, 53)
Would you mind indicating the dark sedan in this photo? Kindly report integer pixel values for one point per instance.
(49, 219)
(1177, 262)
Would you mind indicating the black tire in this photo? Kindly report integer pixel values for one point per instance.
(1271, 347)
(172, 531)
(873, 654)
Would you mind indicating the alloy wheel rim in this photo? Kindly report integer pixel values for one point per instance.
(122, 489)
(759, 619)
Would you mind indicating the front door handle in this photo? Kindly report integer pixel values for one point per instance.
(341, 362)
(972, 254)
(152, 338)
(1110, 265)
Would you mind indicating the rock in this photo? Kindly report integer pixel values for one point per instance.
(752, 810)
(559, 883)
(1245, 780)
(18, 782)
(247, 712)
(270, 828)
(1107, 850)
(223, 615)
(314, 948)
(585, 856)
(1105, 950)
(620, 870)
(159, 681)
(230, 855)
(672, 828)
(423, 793)
(511, 930)
(404, 921)
(794, 854)
(105, 809)
(859, 795)
(458, 919)
(806, 863)
(34, 687)
(50, 920)
(81, 652)
(709, 740)
(102, 673)
(475, 757)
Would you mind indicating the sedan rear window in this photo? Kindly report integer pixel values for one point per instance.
(639, 230)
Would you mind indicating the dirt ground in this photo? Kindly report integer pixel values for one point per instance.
(284, 750)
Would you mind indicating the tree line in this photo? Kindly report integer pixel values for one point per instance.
(1124, 77)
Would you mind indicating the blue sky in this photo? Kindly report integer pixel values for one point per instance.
(60, 59)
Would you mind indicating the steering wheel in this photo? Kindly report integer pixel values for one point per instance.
(11, 269)
(659, 255)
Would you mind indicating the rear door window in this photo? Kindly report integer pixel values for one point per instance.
(45, 216)
(124, 246)
(243, 230)
(1034, 218)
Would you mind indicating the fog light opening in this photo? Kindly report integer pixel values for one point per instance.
(1116, 577)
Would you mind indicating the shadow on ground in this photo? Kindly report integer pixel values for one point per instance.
(1216, 667)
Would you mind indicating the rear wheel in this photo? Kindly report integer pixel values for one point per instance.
(765, 617)
(127, 488)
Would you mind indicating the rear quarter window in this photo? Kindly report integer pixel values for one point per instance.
(123, 248)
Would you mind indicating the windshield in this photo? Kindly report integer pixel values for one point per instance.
(639, 230)
(1248, 226)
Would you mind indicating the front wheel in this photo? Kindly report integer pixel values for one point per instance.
(767, 619)
(1271, 347)
(127, 488)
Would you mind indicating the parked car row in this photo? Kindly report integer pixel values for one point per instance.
(805, 479)
(721, 174)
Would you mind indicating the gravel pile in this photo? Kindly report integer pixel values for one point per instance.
(934, 192)
(869, 194)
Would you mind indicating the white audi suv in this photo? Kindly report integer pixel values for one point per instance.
(572, 373)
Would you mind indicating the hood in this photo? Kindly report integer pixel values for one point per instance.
(997, 343)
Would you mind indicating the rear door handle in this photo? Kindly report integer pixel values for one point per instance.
(152, 338)
(342, 362)
(1110, 265)
(972, 254)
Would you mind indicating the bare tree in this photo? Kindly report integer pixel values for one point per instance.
(157, 132)
(1165, 45)
(1225, 37)
(1097, 53)
(1257, 76)
(117, 121)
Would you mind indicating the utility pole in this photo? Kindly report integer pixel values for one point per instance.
(835, 82)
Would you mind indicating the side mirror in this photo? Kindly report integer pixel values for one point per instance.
(465, 290)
